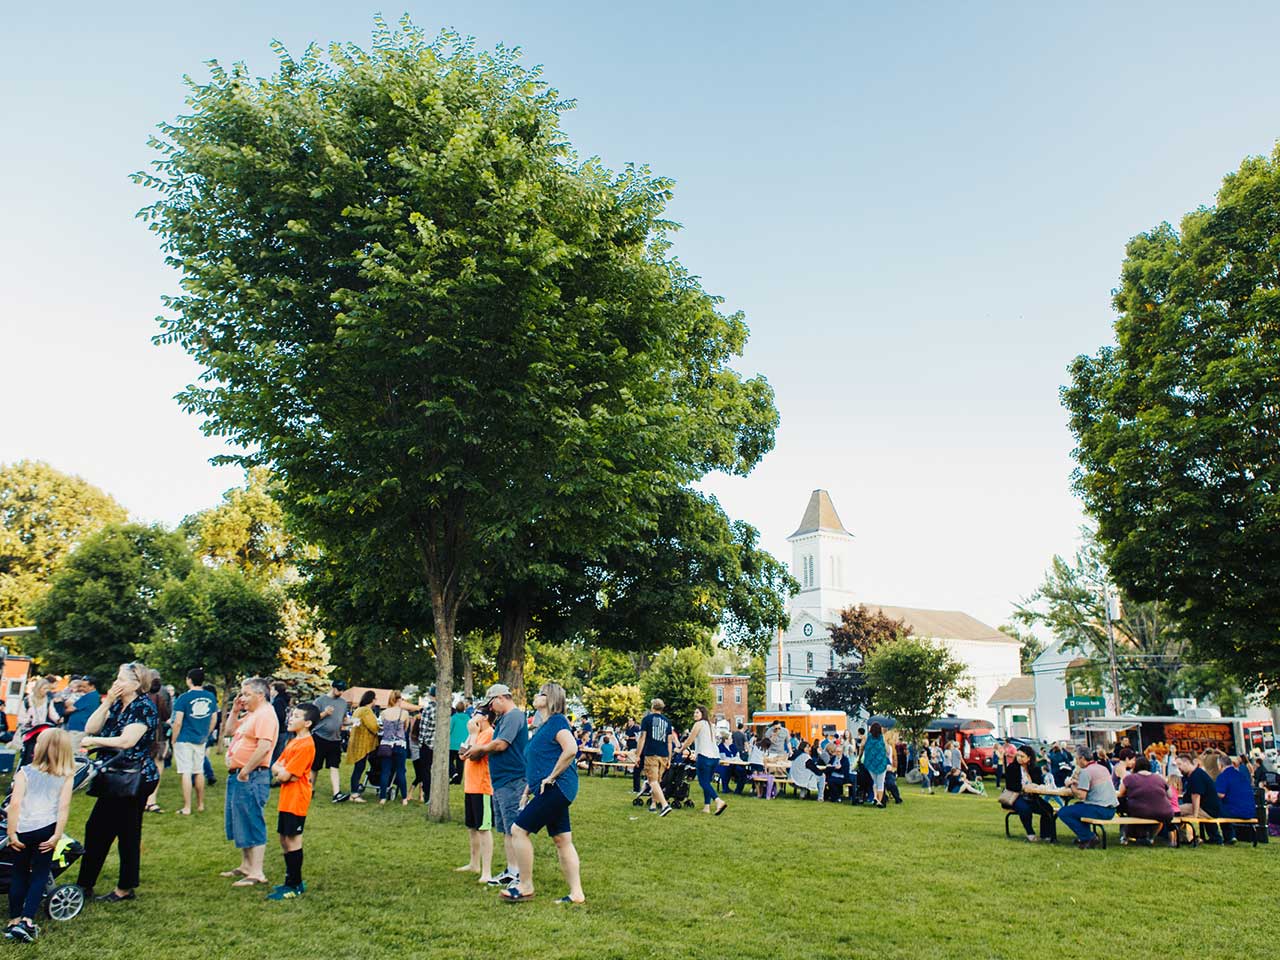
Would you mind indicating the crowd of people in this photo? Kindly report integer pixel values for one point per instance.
(518, 772)
(1161, 786)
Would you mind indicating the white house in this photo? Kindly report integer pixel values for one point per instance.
(821, 559)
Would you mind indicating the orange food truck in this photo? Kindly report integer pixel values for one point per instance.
(808, 725)
(13, 679)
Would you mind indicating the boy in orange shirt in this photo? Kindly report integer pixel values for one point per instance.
(293, 770)
(477, 798)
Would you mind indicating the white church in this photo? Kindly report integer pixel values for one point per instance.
(822, 560)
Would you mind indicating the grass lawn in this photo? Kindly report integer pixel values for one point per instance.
(934, 877)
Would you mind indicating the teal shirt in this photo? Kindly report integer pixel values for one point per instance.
(457, 730)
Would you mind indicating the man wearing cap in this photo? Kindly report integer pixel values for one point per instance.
(506, 768)
(327, 735)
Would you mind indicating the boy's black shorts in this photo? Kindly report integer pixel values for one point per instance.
(289, 824)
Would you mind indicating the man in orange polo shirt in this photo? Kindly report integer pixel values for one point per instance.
(253, 729)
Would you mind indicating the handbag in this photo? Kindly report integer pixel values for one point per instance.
(116, 781)
(1008, 798)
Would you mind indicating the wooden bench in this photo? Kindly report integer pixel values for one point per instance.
(1099, 826)
(613, 765)
(1201, 822)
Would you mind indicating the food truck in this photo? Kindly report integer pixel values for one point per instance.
(13, 679)
(1185, 734)
(975, 738)
(811, 725)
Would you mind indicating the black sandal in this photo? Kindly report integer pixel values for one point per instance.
(114, 897)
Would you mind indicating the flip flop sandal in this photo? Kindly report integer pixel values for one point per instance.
(153, 808)
(249, 882)
(513, 895)
(237, 872)
(723, 808)
(571, 902)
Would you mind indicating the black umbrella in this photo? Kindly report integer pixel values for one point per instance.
(887, 723)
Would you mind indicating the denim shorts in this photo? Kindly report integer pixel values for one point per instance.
(243, 816)
(506, 805)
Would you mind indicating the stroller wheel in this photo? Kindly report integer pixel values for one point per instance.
(65, 902)
(638, 802)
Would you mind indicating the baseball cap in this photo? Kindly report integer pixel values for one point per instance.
(339, 685)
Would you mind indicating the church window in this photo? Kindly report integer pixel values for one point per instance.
(719, 694)
(788, 663)
(808, 661)
(737, 694)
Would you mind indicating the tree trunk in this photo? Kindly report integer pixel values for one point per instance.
(438, 803)
(515, 628)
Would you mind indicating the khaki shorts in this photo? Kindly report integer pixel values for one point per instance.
(655, 767)
(189, 757)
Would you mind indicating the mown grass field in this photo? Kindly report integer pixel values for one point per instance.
(932, 878)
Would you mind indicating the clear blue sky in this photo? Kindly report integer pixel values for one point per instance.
(922, 211)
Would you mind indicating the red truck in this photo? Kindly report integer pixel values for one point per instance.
(976, 739)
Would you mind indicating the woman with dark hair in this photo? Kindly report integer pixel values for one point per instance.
(363, 741)
(1146, 795)
(875, 758)
(126, 721)
(706, 757)
(1020, 777)
(393, 747)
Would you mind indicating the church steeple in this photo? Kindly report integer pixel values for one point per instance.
(821, 551)
(820, 514)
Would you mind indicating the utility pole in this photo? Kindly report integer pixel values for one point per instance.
(1107, 599)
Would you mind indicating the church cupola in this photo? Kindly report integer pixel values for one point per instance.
(821, 556)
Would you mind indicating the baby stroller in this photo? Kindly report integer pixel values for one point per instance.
(62, 901)
(675, 785)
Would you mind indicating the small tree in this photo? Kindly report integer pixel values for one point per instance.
(612, 705)
(913, 681)
(101, 605)
(679, 679)
(861, 630)
(757, 687)
(219, 620)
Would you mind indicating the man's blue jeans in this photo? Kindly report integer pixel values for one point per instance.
(1073, 813)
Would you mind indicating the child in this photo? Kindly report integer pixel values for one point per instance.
(477, 790)
(37, 812)
(925, 783)
(293, 770)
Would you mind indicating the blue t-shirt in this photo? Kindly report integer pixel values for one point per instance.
(198, 708)
(507, 766)
(85, 704)
(1237, 793)
(542, 754)
(657, 731)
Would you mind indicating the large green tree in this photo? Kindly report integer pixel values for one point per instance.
(438, 326)
(44, 515)
(1178, 424)
(913, 681)
(1150, 651)
(101, 606)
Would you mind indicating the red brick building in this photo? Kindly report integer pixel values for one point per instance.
(729, 693)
